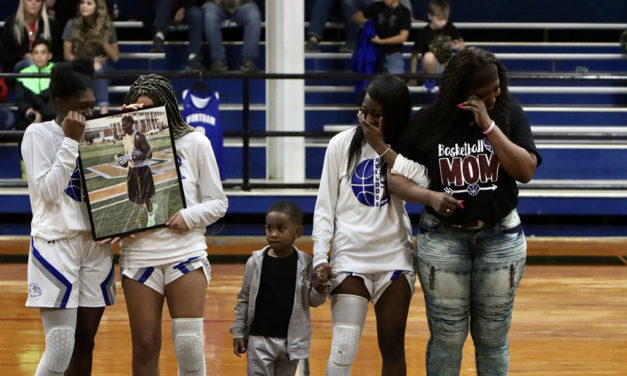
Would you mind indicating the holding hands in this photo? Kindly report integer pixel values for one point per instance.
(321, 277)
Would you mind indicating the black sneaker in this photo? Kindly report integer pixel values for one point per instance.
(218, 66)
(248, 65)
(158, 45)
(195, 65)
(312, 46)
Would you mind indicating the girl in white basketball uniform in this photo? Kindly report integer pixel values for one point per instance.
(70, 277)
(172, 262)
(372, 245)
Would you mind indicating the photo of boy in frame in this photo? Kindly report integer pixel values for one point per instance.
(140, 187)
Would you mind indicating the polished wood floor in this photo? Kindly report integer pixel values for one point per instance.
(568, 320)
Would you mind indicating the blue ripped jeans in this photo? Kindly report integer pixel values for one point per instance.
(469, 279)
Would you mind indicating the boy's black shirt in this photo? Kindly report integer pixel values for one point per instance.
(388, 23)
(275, 299)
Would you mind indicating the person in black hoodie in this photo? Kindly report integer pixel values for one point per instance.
(20, 30)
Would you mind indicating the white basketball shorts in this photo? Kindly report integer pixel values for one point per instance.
(70, 273)
(157, 277)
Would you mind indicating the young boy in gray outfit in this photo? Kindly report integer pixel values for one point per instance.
(272, 319)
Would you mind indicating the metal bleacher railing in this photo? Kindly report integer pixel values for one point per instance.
(556, 135)
(555, 83)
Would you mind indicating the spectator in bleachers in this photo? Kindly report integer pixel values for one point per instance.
(392, 22)
(319, 15)
(32, 96)
(244, 13)
(91, 33)
(62, 11)
(7, 118)
(50, 8)
(20, 30)
(191, 12)
(156, 16)
(436, 42)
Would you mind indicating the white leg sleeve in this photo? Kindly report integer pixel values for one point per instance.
(59, 328)
(349, 314)
(188, 346)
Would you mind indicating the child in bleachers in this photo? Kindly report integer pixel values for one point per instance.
(436, 42)
(272, 318)
(32, 96)
(392, 24)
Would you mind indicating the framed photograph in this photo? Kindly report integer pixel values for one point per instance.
(128, 166)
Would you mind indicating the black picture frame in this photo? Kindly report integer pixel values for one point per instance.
(118, 191)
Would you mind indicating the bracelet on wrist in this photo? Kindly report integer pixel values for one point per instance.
(490, 128)
(386, 150)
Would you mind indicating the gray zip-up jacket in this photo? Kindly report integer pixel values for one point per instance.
(299, 329)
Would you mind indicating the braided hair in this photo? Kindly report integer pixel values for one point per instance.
(160, 90)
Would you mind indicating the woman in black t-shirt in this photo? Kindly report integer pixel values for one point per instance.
(476, 143)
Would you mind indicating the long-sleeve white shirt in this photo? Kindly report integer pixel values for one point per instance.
(370, 229)
(206, 203)
(54, 183)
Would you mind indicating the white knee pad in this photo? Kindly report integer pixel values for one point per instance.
(349, 313)
(59, 348)
(188, 345)
(59, 328)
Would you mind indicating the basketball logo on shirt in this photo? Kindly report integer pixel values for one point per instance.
(369, 184)
(74, 187)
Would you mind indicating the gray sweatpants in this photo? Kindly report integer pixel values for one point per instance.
(267, 356)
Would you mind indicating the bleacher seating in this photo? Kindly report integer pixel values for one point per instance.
(580, 124)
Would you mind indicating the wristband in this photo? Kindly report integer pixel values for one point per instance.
(490, 128)
(386, 150)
